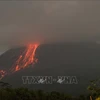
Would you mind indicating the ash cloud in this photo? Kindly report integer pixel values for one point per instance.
(48, 21)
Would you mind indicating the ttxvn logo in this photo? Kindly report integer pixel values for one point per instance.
(49, 80)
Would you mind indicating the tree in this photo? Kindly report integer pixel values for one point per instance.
(94, 88)
(4, 85)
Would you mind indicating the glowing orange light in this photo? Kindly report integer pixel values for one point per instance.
(27, 58)
(2, 74)
(24, 60)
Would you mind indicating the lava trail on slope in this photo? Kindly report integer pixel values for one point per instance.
(25, 59)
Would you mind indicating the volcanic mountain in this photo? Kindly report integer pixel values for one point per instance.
(67, 59)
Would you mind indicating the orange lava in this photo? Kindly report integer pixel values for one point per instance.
(2, 74)
(24, 60)
(27, 58)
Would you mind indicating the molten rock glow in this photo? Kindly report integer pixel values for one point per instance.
(25, 59)
(2, 74)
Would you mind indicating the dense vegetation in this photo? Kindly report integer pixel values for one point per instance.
(9, 93)
(25, 94)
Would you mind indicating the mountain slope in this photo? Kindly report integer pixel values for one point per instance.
(71, 59)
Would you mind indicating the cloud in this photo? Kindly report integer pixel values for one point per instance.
(48, 21)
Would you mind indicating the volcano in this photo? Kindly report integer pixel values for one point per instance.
(69, 59)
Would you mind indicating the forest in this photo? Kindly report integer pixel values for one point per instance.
(9, 93)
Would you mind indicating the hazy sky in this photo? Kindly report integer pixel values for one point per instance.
(46, 21)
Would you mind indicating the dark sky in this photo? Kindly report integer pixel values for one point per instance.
(45, 21)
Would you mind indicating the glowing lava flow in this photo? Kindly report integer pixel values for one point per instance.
(27, 58)
(24, 60)
(2, 74)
